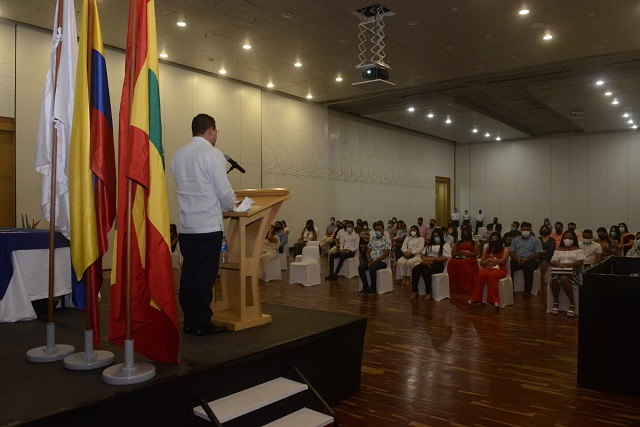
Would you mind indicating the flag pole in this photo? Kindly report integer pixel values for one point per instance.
(90, 358)
(129, 372)
(52, 352)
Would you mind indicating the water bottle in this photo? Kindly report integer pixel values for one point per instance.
(223, 251)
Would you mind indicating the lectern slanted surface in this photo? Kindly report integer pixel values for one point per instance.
(238, 303)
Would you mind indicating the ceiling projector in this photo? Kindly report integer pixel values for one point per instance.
(376, 72)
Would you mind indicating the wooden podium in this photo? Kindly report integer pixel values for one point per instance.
(237, 306)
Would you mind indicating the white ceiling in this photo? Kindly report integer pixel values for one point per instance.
(478, 62)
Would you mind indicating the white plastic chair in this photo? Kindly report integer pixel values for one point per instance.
(307, 270)
(518, 280)
(349, 267)
(384, 280)
(439, 285)
(282, 257)
(563, 299)
(271, 271)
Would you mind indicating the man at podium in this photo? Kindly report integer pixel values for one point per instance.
(204, 192)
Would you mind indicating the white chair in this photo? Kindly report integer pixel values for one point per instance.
(307, 270)
(518, 281)
(282, 257)
(315, 243)
(563, 299)
(505, 292)
(271, 271)
(439, 285)
(316, 254)
(349, 267)
(384, 281)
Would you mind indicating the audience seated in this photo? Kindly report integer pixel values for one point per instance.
(557, 233)
(308, 233)
(349, 244)
(411, 248)
(397, 239)
(513, 232)
(432, 259)
(479, 220)
(422, 228)
(451, 230)
(616, 239)
(282, 236)
(463, 265)
(605, 242)
(548, 247)
(328, 242)
(567, 262)
(328, 233)
(377, 258)
(494, 267)
(269, 249)
(627, 238)
(634, 252)
(284, 226)
(365, 232)
(525, 251)
(592, 250)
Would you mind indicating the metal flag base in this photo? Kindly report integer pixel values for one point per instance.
(52, 352)
(128, 372)
(89, 358)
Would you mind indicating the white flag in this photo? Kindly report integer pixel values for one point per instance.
(58, 112)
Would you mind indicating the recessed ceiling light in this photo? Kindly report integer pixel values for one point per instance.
(163, 55)
(181, 24)
(246, 46)
(298, 64)
(309, 96)
(450, 47)
(269, 84)
(343, 40)
(625, 115)
(608, 93)
(524, 11)
(487, 134)
(547, 37)
(599, 82)
(474, 130)
(634, 127)
(412, 23)
(430, 115)
(448, 121)
(338, 79)
(287, 15)
(498, 139)
(411, 109)
(630, 122)
(222, 71)
(615, 101)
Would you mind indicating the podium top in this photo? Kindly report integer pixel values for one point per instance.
(263, 198)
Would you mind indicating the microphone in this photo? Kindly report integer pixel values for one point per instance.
(234, 164)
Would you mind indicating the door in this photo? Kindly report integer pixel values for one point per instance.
(7, 173)
(443, 200)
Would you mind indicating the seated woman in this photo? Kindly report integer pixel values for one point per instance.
(634, 252)
(463, 266)
(603, 239)
(284, 237)
(567, 262)
(628, 239)
(308, 233)
(411, 248)
(269, 249)
(452, 231)
(616, 240)
(548, 247)
(398, 239)
(494, 267)
(432, 259)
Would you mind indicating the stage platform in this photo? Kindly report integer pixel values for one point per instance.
(326, 347)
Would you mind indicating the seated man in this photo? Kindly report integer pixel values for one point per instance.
(329, 239)
(328, 232)
(592, 250)
(348, 247)
(513, 231)
(377, 258)
(525, 251)
(496, 225)
(398, 239)
(557, 233)
(284, 237)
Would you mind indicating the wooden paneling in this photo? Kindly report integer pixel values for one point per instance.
(7, 173)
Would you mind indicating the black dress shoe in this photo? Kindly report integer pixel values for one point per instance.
(188, 330)
(210, 331)
(329, 277)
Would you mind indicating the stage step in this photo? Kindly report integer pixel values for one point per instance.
(251, 399)
(304, 417)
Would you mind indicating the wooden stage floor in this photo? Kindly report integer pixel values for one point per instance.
(447, 364)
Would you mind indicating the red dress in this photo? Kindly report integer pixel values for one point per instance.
(462, 272)
(491, 277)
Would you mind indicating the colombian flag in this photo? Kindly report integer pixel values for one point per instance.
(92, 171)
(154, 314)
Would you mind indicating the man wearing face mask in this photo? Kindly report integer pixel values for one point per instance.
(455, 217)
(348, 247)
(557, 233)
(513, 231)
(466, 218)
(432, 226)
(398, 239)
(496, 225)
(525, 251)
(479, 220)
(592, 250)
(377, 258)
(422, 227)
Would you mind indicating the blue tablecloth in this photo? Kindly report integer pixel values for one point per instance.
(17, 239)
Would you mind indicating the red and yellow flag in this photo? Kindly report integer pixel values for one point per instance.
(92, 171)
(154, 314)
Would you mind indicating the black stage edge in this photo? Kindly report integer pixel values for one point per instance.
(326, 347)
(609, 329)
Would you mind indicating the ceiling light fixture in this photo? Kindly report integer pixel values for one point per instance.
(524, 10)
(430, 115)
(487, 134)
(625, 115)
(181, 24)
(615, 101)
(246, 46)
(630, 122)
(338, 79)
(309, 96)
(498, 139)
(599, 82)
(222, 71)
(298, 64)
(287, 15)
(448, 121)
(634, 127)
(163, 55)
(608, 93)
(269, 85)
(475, 130)
(547, 37)
(411, 109)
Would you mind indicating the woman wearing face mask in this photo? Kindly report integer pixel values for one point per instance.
(603, 239)
(452, 231)
(567, 262)
(628, 239)
(634, 252)
(616, 239)
(307, 234)
(411, 248)
(548, 247)
(494, 267)
(432, 259)
(463, 267)
(269, 249)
